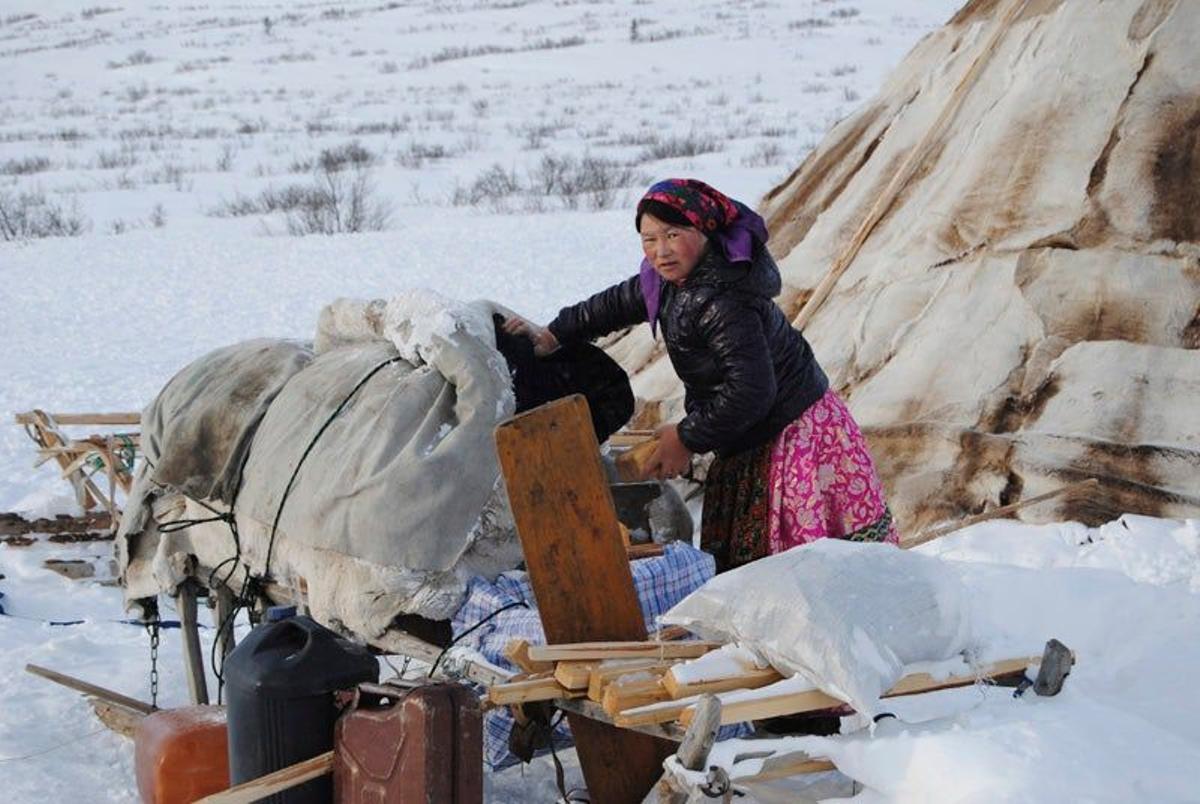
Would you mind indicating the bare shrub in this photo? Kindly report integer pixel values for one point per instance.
(349, 155)
(765, 154)
(418, 154)
(340, 201)
(30, 216)
(845, 13)
(25, 166)
(843, 69)
(134, 59)
(394, 127)
(591, 181)
(226, 156)
(118, 158)
(158, 216)
(271, 199)
(692, 144)
(809, 24)
(492, 188)
(96, 11)
(554, 44)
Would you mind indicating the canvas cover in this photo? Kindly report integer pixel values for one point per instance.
(398, 501)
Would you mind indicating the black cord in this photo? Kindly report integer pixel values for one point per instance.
(288, 489)
(485, 620)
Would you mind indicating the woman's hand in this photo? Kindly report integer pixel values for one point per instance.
(543, 339)
(672, 458)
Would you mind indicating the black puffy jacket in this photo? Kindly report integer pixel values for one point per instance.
(746, 371)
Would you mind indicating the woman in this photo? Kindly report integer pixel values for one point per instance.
(791, 465)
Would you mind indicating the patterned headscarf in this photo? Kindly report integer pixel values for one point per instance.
(707, 209)
(730, 225)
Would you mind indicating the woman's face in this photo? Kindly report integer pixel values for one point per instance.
(673, 250)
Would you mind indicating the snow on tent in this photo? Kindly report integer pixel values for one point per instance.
(1025, 311)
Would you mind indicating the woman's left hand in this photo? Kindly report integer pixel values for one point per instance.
(672, 458)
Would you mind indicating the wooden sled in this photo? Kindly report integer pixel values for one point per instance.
(83, 460)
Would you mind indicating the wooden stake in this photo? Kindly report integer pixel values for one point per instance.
(1002, 511)
(193, 655)
(90, 689)
(272, 783)
(791, 703)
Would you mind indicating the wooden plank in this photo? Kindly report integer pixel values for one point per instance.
(593, 711)
(86, 688)
(107, 419)
(749, 680)
(541, 687)
(651, 550)
(632, 464)
(605, 673)
(272, 783)
(574, 675)
(792, 703)
(633, 690)
(597, 651)
(517, 652)
(659, 713)
(580, 574)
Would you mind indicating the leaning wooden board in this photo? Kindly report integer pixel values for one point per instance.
(579, 572)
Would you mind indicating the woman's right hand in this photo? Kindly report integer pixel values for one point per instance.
(543, 339)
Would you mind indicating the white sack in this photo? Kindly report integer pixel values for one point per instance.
(845, 615)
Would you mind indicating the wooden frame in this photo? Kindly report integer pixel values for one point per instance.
(82, 459)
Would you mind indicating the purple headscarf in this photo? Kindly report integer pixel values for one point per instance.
(730, 225)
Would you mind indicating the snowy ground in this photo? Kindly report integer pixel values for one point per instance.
(140, 120)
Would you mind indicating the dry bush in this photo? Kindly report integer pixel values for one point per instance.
(25, 166)
(692, 144)
(30, 216)
(340, 201)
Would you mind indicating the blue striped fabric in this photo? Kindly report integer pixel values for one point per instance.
(661, 582)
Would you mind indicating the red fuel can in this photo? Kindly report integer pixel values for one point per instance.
(181, 755)
(413, 744)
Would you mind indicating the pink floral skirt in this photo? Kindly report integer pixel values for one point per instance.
(815, 480)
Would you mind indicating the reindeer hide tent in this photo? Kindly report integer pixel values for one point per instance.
(1027, 309)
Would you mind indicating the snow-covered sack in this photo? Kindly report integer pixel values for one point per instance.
(846, 616)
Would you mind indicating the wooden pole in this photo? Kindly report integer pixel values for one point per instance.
(579, 572)
(193, 656)
(114, 419)
(1002, 511)
(222, 619)
(909, 168)
(92, 690)
(272, 783)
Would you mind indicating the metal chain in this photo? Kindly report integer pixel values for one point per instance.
(153, 627)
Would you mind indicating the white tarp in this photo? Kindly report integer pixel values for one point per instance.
(846, 616)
